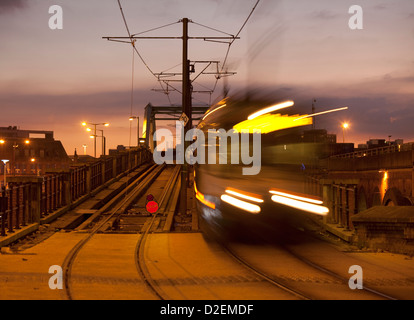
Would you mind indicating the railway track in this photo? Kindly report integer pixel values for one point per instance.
(337, 276)
(107, 219)
(270, 279)
(283, 282)
(128, 206)
(140, 248)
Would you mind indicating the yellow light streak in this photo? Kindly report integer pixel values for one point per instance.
(214, 110)
(200, 197)
(279, 106)
(304, 206)
(252, 208)
(320, 113)
(292, 196)
(245, 195)
(272, 122)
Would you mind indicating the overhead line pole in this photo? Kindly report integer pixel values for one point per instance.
(186, 95)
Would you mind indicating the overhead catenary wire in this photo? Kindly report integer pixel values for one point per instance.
(157, 76)
(131, 40)
(153, 29)
(238, 33)
(201, 25)
(232, 41)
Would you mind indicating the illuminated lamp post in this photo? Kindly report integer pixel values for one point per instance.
(13, 163)
(344, 127)
(94, 135)
(132, 119)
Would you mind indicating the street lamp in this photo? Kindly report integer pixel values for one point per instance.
(344, 127)
(14, 146)
(131, 118)
(5, 164)
(94, 135)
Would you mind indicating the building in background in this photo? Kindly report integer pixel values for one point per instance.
(380, 143)
(31, 151)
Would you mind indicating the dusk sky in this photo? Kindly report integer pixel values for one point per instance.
(55, 79)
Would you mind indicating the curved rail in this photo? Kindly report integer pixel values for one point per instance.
(140, 247)
(337, 276)
(271, 279)
(275, 281)
(122, 201)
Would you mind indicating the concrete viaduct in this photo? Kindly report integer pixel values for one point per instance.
(370, 193)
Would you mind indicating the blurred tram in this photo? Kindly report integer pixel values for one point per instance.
(289, 155)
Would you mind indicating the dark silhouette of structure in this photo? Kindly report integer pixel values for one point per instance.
(31, 151)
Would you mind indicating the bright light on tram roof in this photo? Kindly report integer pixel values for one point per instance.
(320, 113)
(214, 110)
(271, 109)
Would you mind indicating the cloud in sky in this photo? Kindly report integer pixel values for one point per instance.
(7, 6)
(52, 79)
(325, 14)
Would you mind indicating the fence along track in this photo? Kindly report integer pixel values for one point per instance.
(117, 204)
(14, 207)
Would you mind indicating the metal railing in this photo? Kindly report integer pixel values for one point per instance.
(78, 176)
(376, 151)
(27, 199)
(52, 197)
(14, 207)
